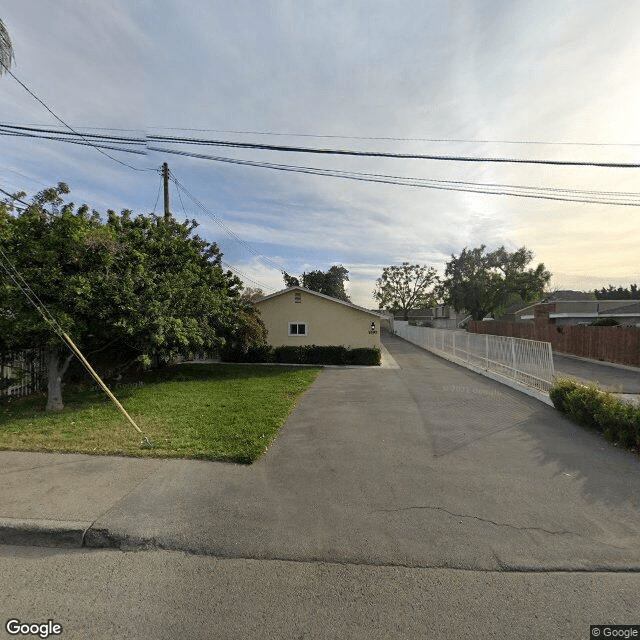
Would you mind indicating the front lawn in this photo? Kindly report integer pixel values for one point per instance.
(206, 411)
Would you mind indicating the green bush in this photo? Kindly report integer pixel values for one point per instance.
(314, 354)
(560, 391)
(306, 354)
(582, 403)
(365, 356)
(620, 419)
(617, 421)
(605, 322)
(252, 354)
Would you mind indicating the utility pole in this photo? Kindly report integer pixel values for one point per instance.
(165, 175)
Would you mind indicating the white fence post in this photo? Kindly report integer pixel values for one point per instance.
(486, 342)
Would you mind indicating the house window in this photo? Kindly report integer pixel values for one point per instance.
(297, 328)
(297, 297)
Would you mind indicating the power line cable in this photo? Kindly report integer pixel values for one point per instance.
(31, 93)
(227, 230)
(123, 139)
(157, 198)
(495, 189)
(324, 151)
(385, 154)
(400, 139)
(80, 141)
(384, 138)
(240, 274)
(544, 193)
(14, 198)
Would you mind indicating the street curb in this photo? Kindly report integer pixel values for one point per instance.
(64, 534)
(43, 533)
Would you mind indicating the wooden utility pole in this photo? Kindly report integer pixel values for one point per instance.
(165, 175)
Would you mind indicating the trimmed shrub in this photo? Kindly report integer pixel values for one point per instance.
(559, 392)
(314, 354)
(306, 354)
(617, 421)
(365, 356)
(582, 403)
(252, 354)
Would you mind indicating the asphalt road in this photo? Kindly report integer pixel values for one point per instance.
(606, 376)
(167, 595)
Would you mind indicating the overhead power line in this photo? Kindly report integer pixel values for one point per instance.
(80, 141)
(386, 154)
(544, 193)
(548, 193)
(244, 276)
(325, 151)
(6, 193)
(386, 138)
(59, 119)
(226, 229)
(123, 139)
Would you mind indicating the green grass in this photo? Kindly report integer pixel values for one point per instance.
(210, 412)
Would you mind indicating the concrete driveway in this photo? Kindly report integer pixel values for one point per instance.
(427, 465)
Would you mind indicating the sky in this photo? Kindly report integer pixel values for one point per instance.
(545, 80)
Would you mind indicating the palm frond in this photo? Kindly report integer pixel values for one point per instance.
(6, 49)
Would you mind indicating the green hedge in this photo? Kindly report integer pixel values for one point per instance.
(587, 405)
(308, 354)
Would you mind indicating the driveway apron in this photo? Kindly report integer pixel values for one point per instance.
(426, 465)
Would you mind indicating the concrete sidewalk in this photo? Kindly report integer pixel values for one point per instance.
(426, 465)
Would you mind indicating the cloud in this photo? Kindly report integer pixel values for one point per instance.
(418, 71)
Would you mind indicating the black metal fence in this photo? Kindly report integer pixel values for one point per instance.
(22, 372)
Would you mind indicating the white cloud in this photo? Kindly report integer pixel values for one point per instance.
(544, 71)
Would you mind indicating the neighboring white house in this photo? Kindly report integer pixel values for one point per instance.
(299, 316)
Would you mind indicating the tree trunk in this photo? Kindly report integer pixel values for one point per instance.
(54, 374)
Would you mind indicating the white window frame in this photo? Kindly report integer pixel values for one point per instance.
(298, 322)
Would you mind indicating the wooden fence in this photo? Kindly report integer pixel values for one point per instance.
(611, 344)
(22, 372)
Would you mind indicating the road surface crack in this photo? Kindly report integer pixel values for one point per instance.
(472, 517)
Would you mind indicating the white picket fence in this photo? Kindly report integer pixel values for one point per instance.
(528, 362)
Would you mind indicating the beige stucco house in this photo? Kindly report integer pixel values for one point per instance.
(298, 316)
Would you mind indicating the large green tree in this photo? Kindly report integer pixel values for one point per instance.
(404, 287)
(484, 283)
(142, 283)
(330, 282)
(619, 293)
